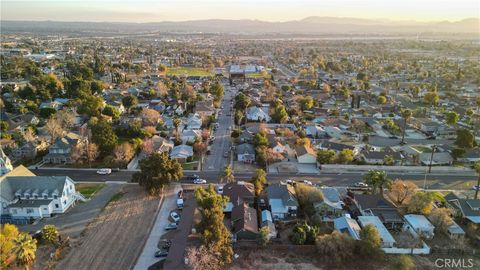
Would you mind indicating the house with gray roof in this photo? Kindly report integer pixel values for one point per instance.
(24, 195)
(468, 209)
(245, 153)
(59, 152)
(282, 201)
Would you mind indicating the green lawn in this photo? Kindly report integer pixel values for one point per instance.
(423, 149)
(88, 190)
(188, 71)
(190, 165)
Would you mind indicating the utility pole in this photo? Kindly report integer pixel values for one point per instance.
(434, 147)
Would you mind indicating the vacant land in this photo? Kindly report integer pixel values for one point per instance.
(116, 237)
(188, 71)
(88, 190)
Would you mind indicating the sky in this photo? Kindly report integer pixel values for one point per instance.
(265, 10)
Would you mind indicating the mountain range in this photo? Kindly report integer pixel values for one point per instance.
(309, 25)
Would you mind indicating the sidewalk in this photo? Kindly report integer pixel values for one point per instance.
(168, 204)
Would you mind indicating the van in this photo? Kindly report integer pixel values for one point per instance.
(179, 204)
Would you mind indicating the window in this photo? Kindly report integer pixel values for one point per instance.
(56, 205)
(45, 196)
(64, 202)
(14, 211)
(29, 210)
(45, 209)
(27, 196)
(35, 196)
(55, 196)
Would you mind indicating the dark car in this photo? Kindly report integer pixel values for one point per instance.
(161, 254)
(193, 177)
(171, 226)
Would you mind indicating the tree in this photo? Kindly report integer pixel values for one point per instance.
(212, 230)
(457, 153)
(476, 167)
(304, 234)
(156, 171)
(345, 156)
(54, 128)
(199, 147)
(431, 98)
(66, 118)
(381, 100)
(307, 197)
(47, 112)
(176, 123)
(24, 250)
(123, 153)
(97, 87)
(336, 247)
(8, 234)
(259, 179)
(441, 219)
(388, 160)
(370, 240)
(264, 236)
(465, 138)
(377, 180)
(77, 154)
(279, 114)
(325, 156)
(129, 101)
(260, 140)
(91, 152)
(451, 118)
(402, 191)
(228, 174)
(162, 68)
(50, 233)
(111, 111)
(150, 117)
(403, 262)
(420, 203)
(242, 102)
(239, 117)
(406, 114)
(104, 136)
(91, 105)
(306, 103)
(203, 257)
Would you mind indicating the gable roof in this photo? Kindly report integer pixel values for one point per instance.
(468, 207)
(302, 150)
(39, 184)
(244, 218)
(244, 191)
(283, 192)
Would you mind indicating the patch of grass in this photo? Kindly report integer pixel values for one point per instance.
(190, 165)
(188, 71)
(423, 149)
(88, 190)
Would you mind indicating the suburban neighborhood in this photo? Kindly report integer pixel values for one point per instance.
(124, 146)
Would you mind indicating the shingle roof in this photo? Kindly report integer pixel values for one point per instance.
(49, 184)
(244, 218)
(283, 192)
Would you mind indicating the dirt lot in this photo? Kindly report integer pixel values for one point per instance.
(116, 237)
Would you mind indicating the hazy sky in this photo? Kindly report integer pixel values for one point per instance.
(268, 10)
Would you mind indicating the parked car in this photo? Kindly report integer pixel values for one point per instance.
(161, 254)
(180, 204)
(225, 154)
(175, 217)
(171, 226)
(361, 184)
(220, 189)
(476, 187)
(195, 176)
(104, 171)
(307, 182)
(199, 181)
(290, 182)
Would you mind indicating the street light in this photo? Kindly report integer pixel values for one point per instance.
(429, 169)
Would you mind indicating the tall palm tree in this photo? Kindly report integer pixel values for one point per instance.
(477, 169)
(406, 114)
(176, 123)
(24, 250)
(377, 180)
(228, 174)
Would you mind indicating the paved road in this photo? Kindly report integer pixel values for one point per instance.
(147, 257)
(216, 160)
(385, 141)
(86, 175)
(285, 70)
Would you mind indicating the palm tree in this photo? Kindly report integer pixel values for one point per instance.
(24, 250)
(228, 174)
(176, 123)
(406, 114)
(477, 169)
(377, 180)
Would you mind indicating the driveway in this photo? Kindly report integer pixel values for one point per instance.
(74, 221)
(147, 257)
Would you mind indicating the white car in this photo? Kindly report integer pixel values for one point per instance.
(199, 181)
(361, 184)
(220, 189)
(104, 171)
(175, 217)
(307, 182)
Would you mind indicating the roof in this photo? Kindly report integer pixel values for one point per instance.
(455, 229)
(347, 225)
(244, 218)
(419, 222)
(302, 150)
(181, 151)
(282, 192)
(243, 190)
(336, 146)
(468, 207)
(245, 148)
(266, 216)
(378, 206)
(375, 221)
(30, 203)
(32, 184)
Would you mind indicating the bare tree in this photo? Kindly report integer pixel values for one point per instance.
(66, 118)
(29, 135)
(77, 154)
(199, 258)
(92, 152)
(150, 117)
(123, 152)
(54, 128)
(402, 191)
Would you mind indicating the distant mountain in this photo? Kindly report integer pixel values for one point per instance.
(309, 25)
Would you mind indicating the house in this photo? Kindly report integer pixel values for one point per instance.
(238, 192)
(181, 153)
(420, 225)
(337, 147)
(257, 114)
(278, 147)
(161, 144)
(455, 232)
(59, 152)
(204, 109)
(267, 221)
(24, 195)
(5, 163)
(282, 201)
(244, 222)
(29, 150)
(378, 157)
(190, 135)
(438, 158)
(377, 205)
(471, 155)
(348, 225)
(245, 153)
(194, 122)
(305, 154)
(315, 131)
(387, 239)
(468, 209)
(331, 206)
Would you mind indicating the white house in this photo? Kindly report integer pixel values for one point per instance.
(181, 152)
(190, 135)
(245, 153)
(282, 201)
(306, 155)
(348, 225)
(24, 195)
(420, 225)
(387, 239)
(194, 122)
(5, 163)
(257, 114)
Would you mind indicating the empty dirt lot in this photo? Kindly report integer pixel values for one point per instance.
(116, 237)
